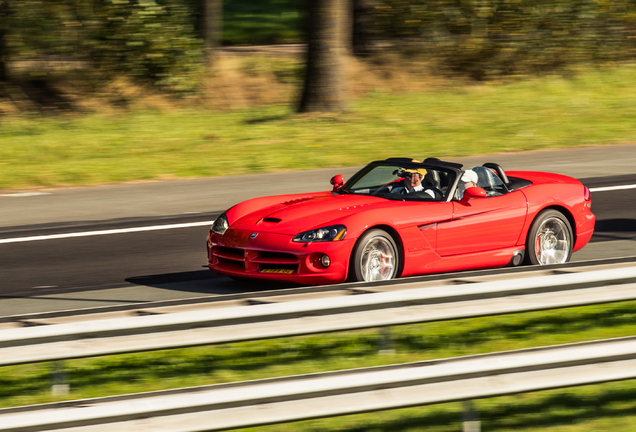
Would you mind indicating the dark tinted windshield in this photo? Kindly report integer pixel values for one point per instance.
(388, 180)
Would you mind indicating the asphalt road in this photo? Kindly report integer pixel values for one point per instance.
(70, 273)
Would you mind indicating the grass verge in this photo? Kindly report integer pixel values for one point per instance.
(595, 107)
(589, 408)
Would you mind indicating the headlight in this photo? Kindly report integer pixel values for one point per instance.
(220, 225)
(330, 233)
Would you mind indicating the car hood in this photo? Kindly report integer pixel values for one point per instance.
(302, 213)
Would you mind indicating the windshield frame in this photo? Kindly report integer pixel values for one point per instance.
(451, 169)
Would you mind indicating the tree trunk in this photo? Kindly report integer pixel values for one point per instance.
(324, 81)
(346, 26)
(212, 28)
(362, 27)
(4, 15)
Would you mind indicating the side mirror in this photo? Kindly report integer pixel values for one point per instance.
(473, 192)
(337, 181)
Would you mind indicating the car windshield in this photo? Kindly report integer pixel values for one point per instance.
(402, 181)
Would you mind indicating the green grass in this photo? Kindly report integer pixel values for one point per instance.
(594, 108)
(597, 407)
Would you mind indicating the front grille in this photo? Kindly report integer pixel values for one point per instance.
(229, 253)
(278, 255)
(250, 261)
(235, 265)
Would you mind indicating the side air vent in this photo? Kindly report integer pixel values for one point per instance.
(271, 219)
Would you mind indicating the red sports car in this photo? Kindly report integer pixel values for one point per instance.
(402, 217)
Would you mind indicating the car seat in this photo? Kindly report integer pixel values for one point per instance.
(488, 181)
(431, 179)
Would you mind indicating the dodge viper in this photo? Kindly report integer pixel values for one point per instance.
(402, 217)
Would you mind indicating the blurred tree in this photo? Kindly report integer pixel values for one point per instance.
(146, 40)
(346, 26)
(490, 38)
(149, 41)
(212, 28)
(324, 88)
(4, 16)
(362, 27)
(356, 26)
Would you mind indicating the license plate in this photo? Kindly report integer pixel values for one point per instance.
(277, 271)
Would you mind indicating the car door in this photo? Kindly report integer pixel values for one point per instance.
(483, 224)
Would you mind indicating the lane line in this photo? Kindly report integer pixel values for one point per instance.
(612, 188)
(25, 194)
(188, 225)
(105, 232)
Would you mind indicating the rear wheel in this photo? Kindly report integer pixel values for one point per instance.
(375, 257)
(549, 239)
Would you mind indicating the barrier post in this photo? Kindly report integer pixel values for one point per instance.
(59, 378)
(385, 344)
(470, 418)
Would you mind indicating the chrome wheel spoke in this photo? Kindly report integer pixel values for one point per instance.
(552, 243)
(378, 261)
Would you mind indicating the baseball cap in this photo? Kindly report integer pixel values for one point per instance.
(420, 171)
(470, 176)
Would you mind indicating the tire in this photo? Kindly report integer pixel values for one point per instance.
(375, 257)
(550, 239)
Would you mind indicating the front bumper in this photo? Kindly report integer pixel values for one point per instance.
(270, 256)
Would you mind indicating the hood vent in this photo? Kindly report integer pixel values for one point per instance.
(298, 200)
(271, 219)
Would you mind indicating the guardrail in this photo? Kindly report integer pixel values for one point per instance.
(274, 294)
(203, 327)
(278, 400)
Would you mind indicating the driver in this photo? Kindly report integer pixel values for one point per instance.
(412, 182)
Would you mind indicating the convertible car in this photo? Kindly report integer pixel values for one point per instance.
(402, 217)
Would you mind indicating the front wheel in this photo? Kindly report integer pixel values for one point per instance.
(375, 257)
(549, 239)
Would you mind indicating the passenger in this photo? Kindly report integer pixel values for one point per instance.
(468, 179)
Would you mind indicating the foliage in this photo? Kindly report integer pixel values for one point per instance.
(158, 41)
(486, 38)
(144, 40)
(147, 41)
(264, 21)
(38, 27)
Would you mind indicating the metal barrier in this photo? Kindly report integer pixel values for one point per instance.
(278, 400)
(144, 333)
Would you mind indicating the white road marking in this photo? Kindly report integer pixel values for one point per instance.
(25, 194)
(612, 188)
(183, 225)
(104, 232)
